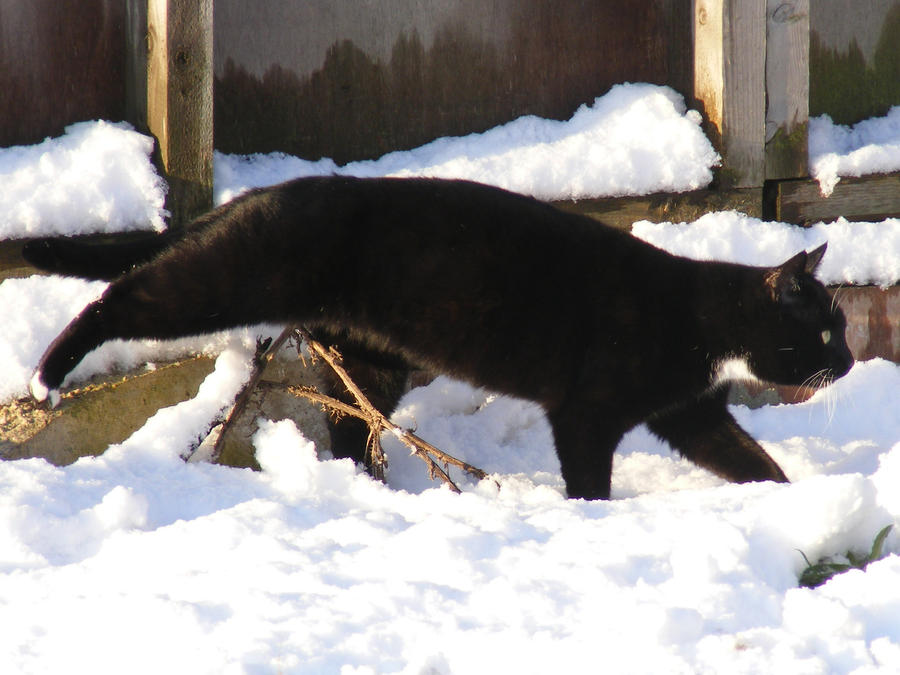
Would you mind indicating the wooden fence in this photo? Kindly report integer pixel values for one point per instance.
(353, 80)
(414, 76)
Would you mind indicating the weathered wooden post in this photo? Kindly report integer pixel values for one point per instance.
(170, 66)
(729, 82)
(787, 128)
(787, 89)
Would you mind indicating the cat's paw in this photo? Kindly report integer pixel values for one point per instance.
(40, 392)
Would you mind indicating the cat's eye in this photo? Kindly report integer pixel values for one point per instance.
(826, 336)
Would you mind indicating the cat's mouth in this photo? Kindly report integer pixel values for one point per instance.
(739, 369)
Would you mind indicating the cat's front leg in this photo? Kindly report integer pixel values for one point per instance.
(704, 432)
(585, 448)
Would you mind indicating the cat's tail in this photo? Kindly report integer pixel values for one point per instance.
(103, 261)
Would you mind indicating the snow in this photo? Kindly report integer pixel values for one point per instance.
(636, 139)
(858, 253)
(95, 178)
(136, 558)
(870, 146)
(138, 561)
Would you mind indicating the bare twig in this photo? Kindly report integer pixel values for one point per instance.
(377, 460)
(363, 410)
(376, 420)
(421, 448)
(265, 350)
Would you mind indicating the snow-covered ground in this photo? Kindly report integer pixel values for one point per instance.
(138, 561)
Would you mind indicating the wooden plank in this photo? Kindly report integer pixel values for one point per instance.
(729, 83)
(709, 65)
(179, 100)
(60, 62)
(12, 264)
(353, 80)
(744, 100)
(787, 88)
(622, 212)
(873, 321)
(870, 198)
(854, 60)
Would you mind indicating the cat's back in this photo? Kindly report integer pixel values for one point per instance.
(443, 214)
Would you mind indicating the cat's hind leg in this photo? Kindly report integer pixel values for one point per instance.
(383, 378)
(704, 432)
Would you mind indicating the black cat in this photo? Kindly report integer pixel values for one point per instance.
(602, 330)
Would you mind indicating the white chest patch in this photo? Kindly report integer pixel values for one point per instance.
(729, 370)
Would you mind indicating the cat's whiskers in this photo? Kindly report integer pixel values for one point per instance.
(832, 398)
(829, 402)
(812, 383)
(821, 380)
(818, 380)
(835, 304)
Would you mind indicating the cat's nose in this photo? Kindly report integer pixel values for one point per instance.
(842, 362)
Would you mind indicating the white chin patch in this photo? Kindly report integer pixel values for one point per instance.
(40, 392)
(733, 369)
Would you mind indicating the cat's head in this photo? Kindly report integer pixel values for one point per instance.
(801, 340)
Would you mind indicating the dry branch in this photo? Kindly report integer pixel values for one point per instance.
(363, 410)
(375, 456)
(376, 420)
(265, 350)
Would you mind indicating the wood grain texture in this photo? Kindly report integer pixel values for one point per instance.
(787, 88)
(60, 62)
(729, 81)
(179, 101)
(622, 212)
(871, 198)
(354, 80)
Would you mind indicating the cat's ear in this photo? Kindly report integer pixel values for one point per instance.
(814, 258)
(804, 261)
(782, 280)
